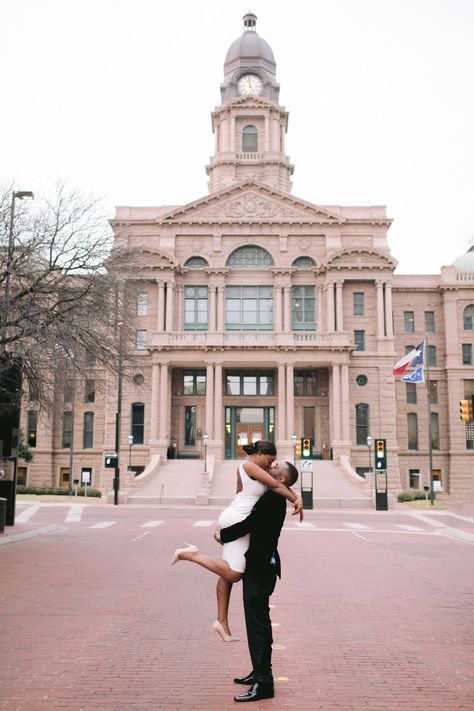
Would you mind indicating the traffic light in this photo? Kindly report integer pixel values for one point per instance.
(465, 410)
(306, 448)
(380, 447)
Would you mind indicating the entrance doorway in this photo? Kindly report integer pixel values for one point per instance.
(244, 425)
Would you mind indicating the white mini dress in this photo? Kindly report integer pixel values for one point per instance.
(234, 552)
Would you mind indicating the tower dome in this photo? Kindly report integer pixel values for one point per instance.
(250, 45)
(464, 264)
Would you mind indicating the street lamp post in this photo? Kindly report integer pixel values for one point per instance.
(293, 441)
(130, 442)
(117, 415)
(16, 195)
(205, 440)
(369, 444)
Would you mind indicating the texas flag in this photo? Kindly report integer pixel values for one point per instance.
(415, 357)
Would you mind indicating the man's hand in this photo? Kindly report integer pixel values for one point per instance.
(217, 535)
(298, 507)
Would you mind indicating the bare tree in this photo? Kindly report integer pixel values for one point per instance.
(58, 301)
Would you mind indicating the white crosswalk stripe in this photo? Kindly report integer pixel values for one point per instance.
(304, 524)
(406, 527)
(358, 526)
(203, 523)
(151, 524)
(27, 514)
(74, 514)
(103, 524)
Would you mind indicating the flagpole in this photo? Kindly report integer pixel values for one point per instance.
(428, 395)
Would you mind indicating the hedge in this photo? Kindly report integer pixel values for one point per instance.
(51, 491)
(411, 495)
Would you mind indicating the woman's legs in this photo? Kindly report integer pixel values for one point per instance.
(223, 591)
(215, 565)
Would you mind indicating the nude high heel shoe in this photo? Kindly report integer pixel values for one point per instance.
(221, 631)
(190, 549)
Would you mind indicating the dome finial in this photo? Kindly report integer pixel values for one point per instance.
(250, 22)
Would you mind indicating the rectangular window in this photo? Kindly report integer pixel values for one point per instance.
(362, 423)
(430, 326)
(434, 430)
(303, 308)
(358, 303)
(67, 429)
(409, 321)
(432, 356)
(468, 387)
(195, 308)
(140, 340)
(194, 382)
(249, 383)
(411, 393)
(88, 431)
(467, 354)
(190, 425)
(68, 392)
(305, 383)
(249, 308)
(138, 423)
(414, 479)
(31, 428)
(433, 391)
(412, 426)
(142, 304)
(89, 391)
(359, 340)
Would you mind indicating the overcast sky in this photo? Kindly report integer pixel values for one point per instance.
(116, 95)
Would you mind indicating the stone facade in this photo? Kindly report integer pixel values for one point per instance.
(262, 314)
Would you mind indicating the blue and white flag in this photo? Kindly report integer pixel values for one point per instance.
(416, 376)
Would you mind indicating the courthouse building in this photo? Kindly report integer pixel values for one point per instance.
(262, 315)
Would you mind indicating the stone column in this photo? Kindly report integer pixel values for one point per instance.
(290, 401)
(339, 307)
(220, 309)
(155, 398)
(218, 419)
(380, 310)
(160, 324)
(169, 324)
(336, 404)
(388, 311)
(345, 403)
(287, 309)
(330, 307)
(232, 134)
(209, 400)
(179, 307)
(319, 306)
(278, 309)
(164, 405)
(267, 135)
(281, 412)
(211, 316)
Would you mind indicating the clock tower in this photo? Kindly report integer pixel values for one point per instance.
(249, 125)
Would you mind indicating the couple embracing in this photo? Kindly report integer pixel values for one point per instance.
(249, 529)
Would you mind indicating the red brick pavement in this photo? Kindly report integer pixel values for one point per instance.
(96, 620)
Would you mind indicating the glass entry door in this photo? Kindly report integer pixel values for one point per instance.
(244, 425)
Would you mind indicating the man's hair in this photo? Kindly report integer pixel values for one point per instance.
(292, 473)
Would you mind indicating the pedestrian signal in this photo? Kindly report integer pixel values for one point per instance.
(298, 449)
(306, 448)
(465, 410)
(380, 447)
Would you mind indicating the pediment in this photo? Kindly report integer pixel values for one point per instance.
(359, 259)
(252, 202)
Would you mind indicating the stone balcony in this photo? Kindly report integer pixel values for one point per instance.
(251, 339)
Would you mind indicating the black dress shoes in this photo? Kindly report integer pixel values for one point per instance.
(249, 679)
(260, 690)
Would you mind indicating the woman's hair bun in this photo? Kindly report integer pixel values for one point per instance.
(249, 448)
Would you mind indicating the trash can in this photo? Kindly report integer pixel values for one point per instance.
(3, 514)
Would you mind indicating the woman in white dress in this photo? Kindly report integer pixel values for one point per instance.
(253, 480)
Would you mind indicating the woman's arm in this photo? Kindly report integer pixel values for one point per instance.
(256, 472)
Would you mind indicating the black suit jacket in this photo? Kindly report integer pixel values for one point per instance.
(264, 524)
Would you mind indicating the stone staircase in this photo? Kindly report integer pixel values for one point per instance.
(181, 482)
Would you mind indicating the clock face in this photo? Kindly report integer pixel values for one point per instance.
(250, 85)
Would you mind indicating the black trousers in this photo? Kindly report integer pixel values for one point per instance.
(257, 588)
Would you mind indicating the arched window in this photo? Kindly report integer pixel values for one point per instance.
(412, 428)
(362, 423)
(196, 263)
(303, 263)
(137, 429)
(469, 318)
(250, 139)
(250, 257)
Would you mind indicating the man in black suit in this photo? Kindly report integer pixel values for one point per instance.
(263, 566)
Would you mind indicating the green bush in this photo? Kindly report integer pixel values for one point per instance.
(411, 495)
(51, 491)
